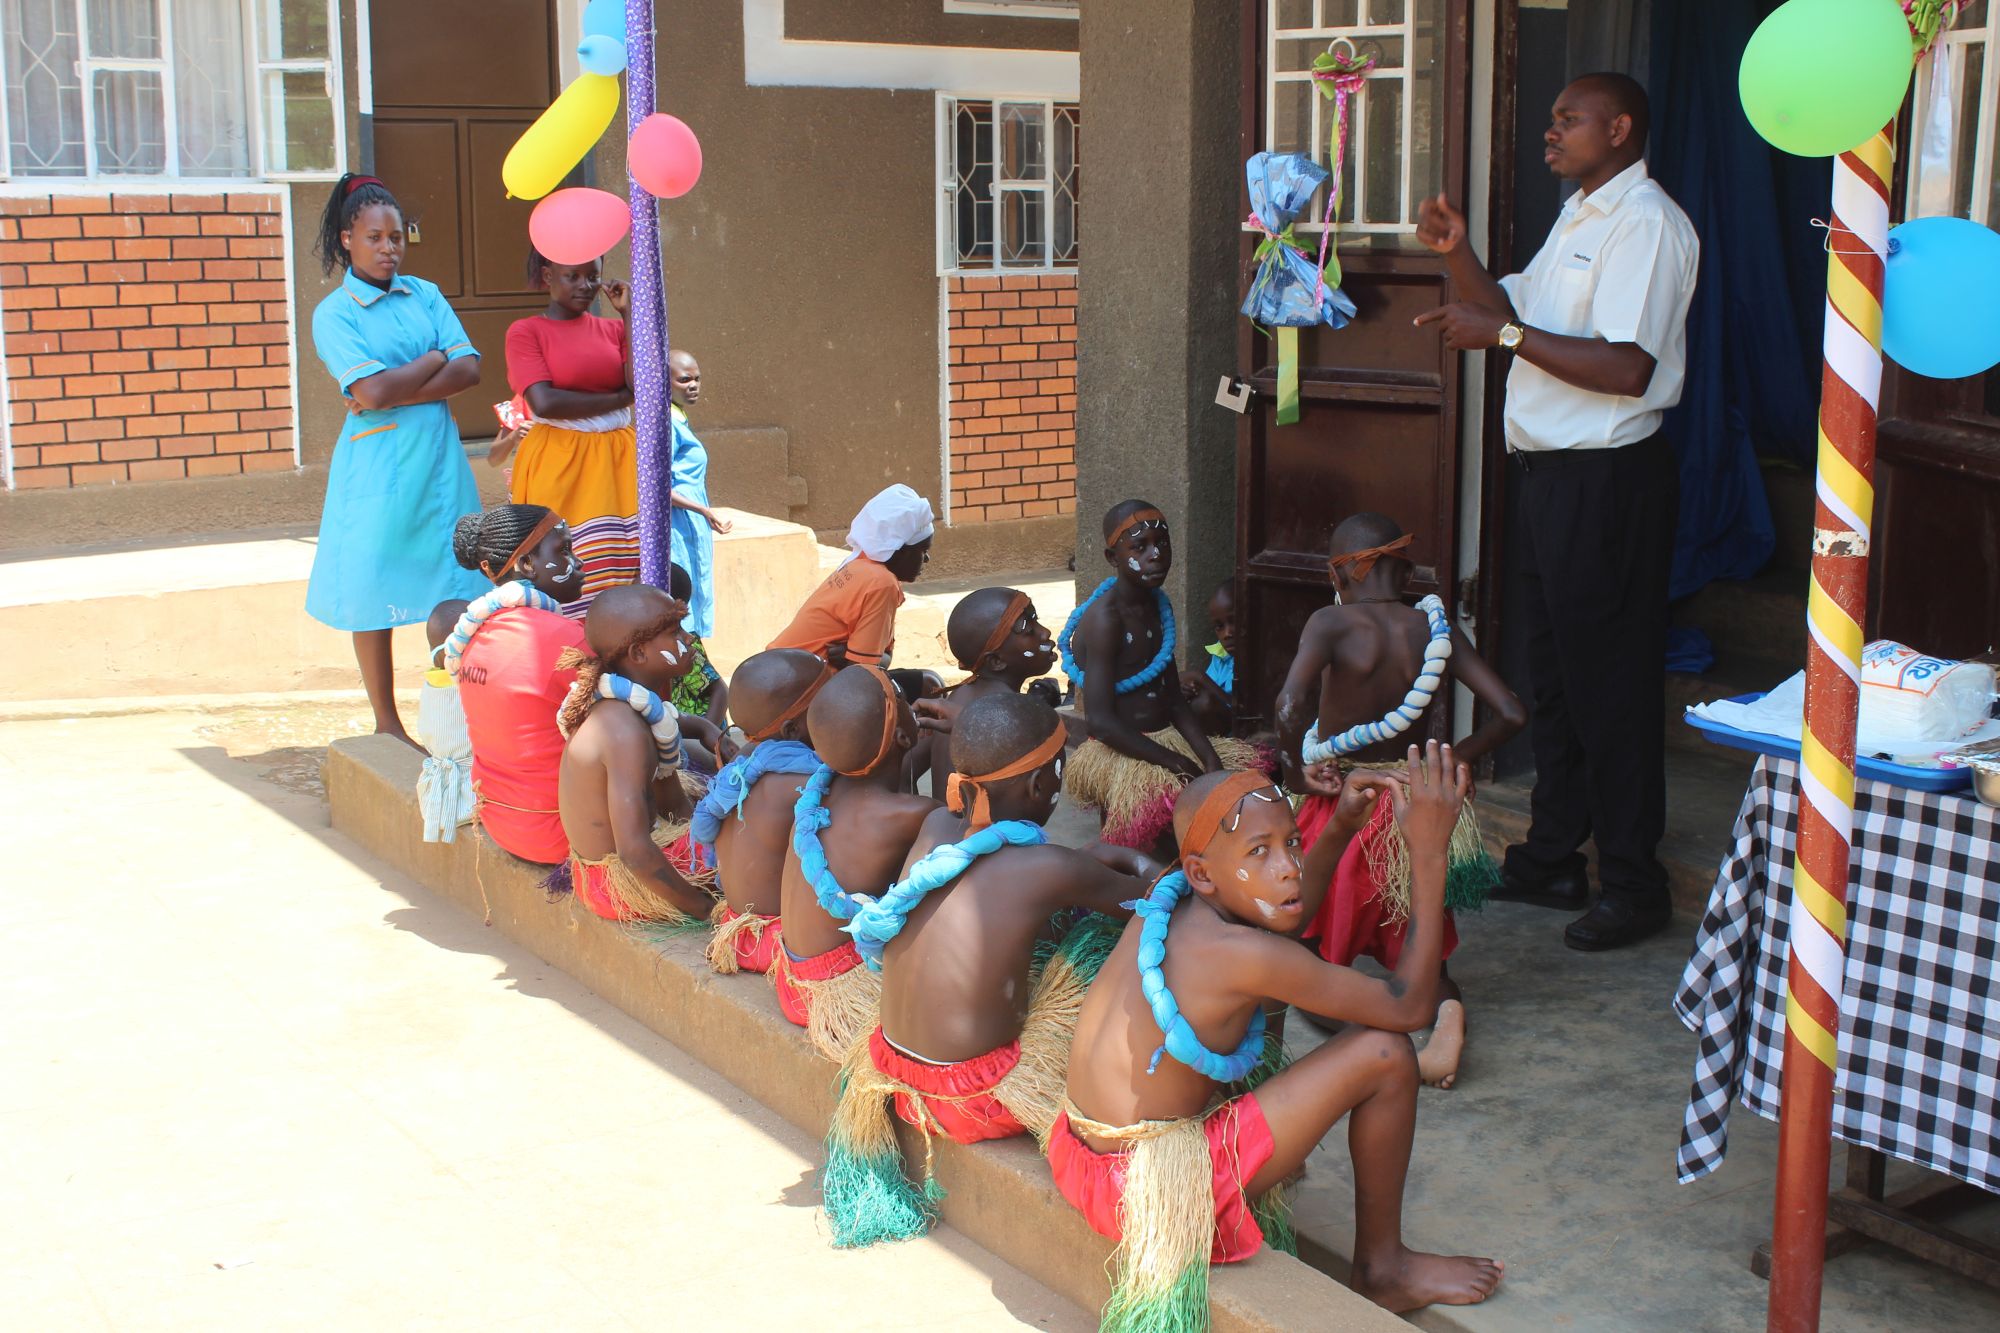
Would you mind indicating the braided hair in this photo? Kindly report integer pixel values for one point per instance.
(488, 538)
(351, 194)
(537, 261)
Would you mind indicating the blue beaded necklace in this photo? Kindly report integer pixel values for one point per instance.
(1147, 674)
(881, 919)
(809, 816)
(1156, 911)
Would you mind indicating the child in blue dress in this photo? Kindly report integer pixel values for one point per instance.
(694, 524)
(399, 478)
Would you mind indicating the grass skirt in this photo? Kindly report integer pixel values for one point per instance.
(867, 1194)
(840, 1009)
(1137, 798)
(727, 941)
(611, 889)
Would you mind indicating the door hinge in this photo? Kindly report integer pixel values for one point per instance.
(1468, 597)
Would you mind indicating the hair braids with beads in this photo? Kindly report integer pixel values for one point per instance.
(487, 540)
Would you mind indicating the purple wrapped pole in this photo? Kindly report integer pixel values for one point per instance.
(648, 320)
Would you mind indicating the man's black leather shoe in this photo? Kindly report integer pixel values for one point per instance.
(1567, 891)
(1615, 923)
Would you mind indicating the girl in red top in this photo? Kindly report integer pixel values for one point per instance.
(579, 457)
(505, 649)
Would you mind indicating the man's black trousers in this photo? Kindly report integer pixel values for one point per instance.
(1597, 534)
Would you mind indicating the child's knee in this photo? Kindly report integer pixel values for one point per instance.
(1391, 1056)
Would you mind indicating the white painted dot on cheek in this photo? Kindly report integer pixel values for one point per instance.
(1132, 563)
(1270, 912)
(1243, 874)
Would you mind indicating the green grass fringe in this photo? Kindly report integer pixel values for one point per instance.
(1184, 1308)
(659, 933)
(1469, 880)
(869, 1199)
(1089, 942)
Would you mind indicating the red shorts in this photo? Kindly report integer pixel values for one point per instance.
(961, 1101)
(797, 1005)
(1239, 1143)
(592, 882)
(1351, 923)
(754, 948)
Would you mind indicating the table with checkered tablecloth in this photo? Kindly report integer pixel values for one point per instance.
(1919, 1074)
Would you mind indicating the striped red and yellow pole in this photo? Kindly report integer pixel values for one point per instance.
(1850, 387)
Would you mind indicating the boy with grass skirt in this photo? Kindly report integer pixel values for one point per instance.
(983, 972)
(1150, 1146)
(851, 826)
(743, 823)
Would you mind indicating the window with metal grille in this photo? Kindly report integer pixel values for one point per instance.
(201, 89)
(1008, 194)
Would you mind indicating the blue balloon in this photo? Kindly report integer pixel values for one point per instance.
(605, 18)
(602, 55)
(1941, 298)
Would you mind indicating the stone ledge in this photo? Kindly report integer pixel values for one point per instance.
(1000, 1194)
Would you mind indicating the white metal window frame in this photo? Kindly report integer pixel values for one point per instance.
(946, 174)
(1015, 9)
(255, 68)
(1360, 34)
(1985, 125)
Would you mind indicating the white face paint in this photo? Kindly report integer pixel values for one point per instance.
(1242, 874)
(568, 569)
(673, 658)
(1059, 763)
(1270, 912)
(1132, 563)
(1128, 636)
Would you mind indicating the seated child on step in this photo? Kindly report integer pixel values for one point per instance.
(851, 827)
(1361, 655)
(1176, 1021)
(996, 636)
(620, 793)
(1212, 690)
(980, 986)
(444, 787)
(701, 693)
(744, 823)
(1118, 647)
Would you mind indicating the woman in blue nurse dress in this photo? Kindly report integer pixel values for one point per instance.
(399, 478)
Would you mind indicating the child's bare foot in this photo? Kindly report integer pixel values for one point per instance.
(1437, 1062)
(1409, 1280)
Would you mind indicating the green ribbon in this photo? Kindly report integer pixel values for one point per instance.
(1288, 376)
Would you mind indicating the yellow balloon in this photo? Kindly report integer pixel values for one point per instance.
(549, 149)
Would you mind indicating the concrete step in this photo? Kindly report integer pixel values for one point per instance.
(226, 616)
(1761, 617)
(998, 1194)
(1728, 678)
(1704, 792)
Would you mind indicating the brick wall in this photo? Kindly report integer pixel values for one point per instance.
(1011, 356)
(145, 336)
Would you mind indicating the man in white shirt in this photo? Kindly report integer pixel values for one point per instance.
(1597, 326)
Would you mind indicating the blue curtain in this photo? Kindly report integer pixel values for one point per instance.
(1754, 327)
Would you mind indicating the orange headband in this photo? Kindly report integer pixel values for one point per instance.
(1208, 816)
(542, 529)
(1132, 521)
(798, 706)
(1364, 561)
(1001, 631)
(890, 699)
(982, 815)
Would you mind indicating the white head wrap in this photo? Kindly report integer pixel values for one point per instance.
(895, 518)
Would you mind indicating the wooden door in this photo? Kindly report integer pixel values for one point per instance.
(456, 81)
(1379, 419)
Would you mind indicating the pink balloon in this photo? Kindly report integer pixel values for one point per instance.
(664, 156)
(578, 225)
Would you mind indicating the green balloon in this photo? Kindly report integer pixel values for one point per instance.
(1822, 76)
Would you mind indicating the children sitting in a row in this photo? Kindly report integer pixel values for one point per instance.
(974, 979)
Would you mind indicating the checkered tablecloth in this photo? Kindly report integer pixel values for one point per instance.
(1919, 1074)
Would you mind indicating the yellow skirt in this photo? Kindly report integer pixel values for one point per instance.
(581, 475)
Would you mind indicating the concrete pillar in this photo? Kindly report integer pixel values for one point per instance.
(1158, 283)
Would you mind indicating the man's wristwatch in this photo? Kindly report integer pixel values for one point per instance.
(1511, 335)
